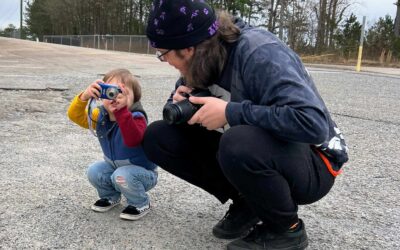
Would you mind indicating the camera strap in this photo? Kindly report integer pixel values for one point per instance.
(91, 106)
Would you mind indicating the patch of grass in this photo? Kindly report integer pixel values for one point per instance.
(331, 58)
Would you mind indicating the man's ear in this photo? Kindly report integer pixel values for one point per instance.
(189, 52)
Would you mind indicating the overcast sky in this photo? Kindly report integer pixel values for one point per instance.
(373, 9)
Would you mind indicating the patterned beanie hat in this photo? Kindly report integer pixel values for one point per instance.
(178, 24)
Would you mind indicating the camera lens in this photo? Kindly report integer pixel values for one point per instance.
(180, 112)
(171, 113)
(112, 93)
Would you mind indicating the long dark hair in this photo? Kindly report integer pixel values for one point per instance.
(210, 55)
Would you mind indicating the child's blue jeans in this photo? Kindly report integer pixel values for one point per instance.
(132, 181)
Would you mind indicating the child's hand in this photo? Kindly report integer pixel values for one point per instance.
(92, 91)
(124, 99)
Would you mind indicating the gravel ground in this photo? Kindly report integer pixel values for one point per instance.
(45, 197)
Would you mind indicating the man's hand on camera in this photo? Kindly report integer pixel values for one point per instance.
(180, 93)
(211, 115)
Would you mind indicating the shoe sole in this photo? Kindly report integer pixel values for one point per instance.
(302, 246)
(103, 209)
(133, 217)
(220, 234)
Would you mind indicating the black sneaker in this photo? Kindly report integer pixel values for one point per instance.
(237, 222)
(134, 213)
(261, 238)
(103, 205)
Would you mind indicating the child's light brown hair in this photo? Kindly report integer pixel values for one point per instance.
(126, 77)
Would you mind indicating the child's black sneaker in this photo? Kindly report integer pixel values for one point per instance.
(103, 205)
(134, 213)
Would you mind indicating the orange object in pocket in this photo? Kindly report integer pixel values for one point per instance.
(329, 165)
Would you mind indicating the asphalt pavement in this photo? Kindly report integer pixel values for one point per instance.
(45, 197)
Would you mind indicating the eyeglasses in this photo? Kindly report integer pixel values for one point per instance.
(160, 55)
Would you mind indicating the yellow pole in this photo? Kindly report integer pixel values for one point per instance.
(360, 48)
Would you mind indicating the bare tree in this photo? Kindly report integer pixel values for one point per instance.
(337, 10)
(322, 17)
(297, 23)
(329, 14)
(272, 7)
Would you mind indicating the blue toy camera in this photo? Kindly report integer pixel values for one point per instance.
(109, 91)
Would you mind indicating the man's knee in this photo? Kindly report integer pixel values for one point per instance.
(241, 147)
(235, 146)
(153, 133)
(152, 138)
(238, 141)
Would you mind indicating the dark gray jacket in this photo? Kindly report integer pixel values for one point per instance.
(271, 89)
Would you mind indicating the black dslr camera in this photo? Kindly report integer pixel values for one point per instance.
(180, 112)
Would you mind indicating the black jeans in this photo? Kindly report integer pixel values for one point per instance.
(273, 175)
